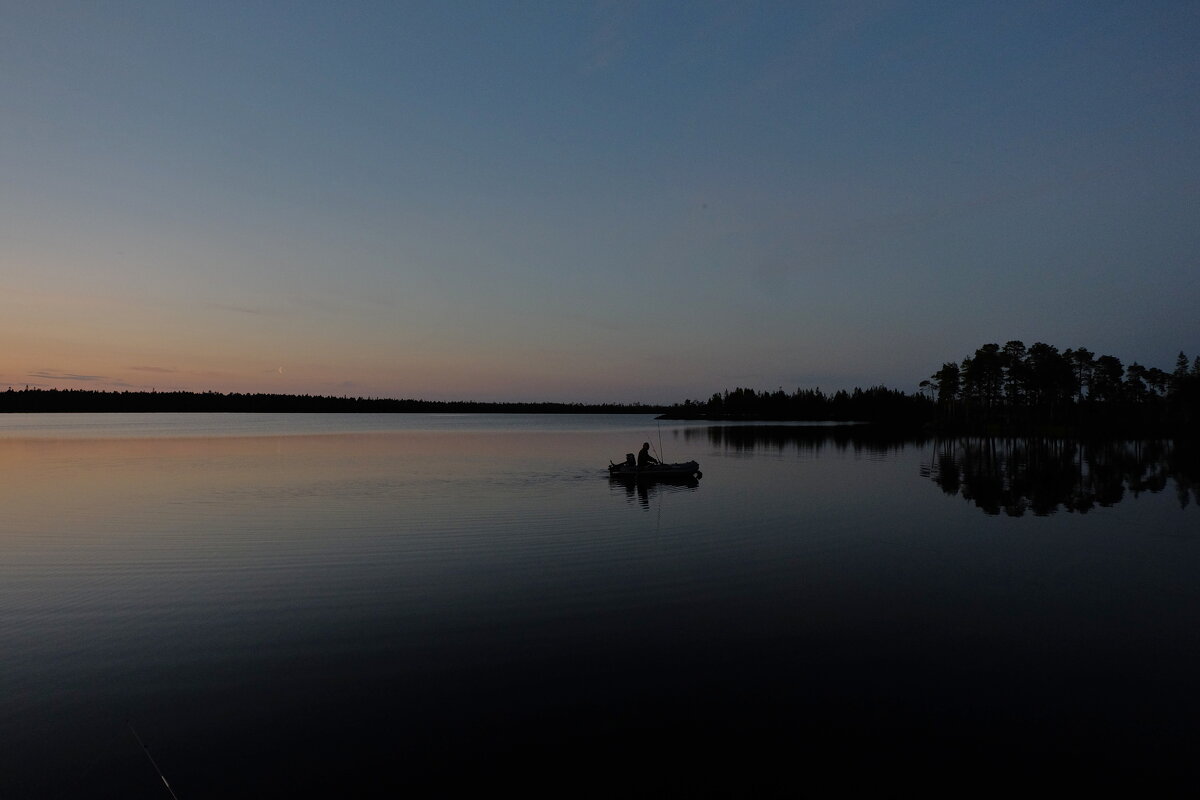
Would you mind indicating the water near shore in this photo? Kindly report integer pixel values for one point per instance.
(331, 602)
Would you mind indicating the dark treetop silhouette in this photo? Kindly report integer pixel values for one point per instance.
(1018, 387)
(1012, 387)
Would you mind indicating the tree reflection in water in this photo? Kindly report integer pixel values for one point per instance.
(810, 439)
(1010, 475)
(1041, 475)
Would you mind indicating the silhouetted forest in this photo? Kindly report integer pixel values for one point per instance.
(1013, 387)
(86, 400)
(877, 404)
(1019, 387)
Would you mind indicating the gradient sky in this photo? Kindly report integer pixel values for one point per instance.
(608, 201)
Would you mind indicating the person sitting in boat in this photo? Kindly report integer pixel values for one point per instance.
(644, 457)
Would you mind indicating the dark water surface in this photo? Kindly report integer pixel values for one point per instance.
(345, 604)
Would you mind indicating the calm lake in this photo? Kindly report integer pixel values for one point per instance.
(340, 604)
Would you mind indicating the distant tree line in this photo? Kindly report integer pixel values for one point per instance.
(1013, 387)
(876, 404)
(88, 400)
(1039, 385)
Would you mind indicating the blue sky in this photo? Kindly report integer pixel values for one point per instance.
(590, 201)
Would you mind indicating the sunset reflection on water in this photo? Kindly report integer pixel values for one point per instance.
(484, 599)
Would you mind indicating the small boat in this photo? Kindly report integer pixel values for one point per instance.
(626, 471)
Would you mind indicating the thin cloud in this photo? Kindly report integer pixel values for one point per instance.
(154, 369)
(66, 376)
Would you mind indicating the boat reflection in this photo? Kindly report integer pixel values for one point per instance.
(643, 489)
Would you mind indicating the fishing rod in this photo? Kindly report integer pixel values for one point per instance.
(153, 763)
(658, 453)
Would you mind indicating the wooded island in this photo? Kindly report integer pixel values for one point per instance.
(996, 389)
